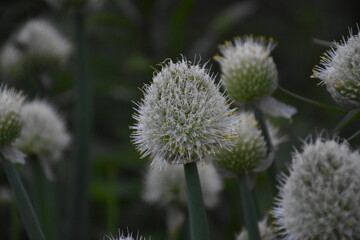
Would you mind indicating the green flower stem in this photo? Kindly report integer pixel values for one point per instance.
(198, 223)
(312, 102)
(15, 226)
(81, 164)
(273, 169)
(44, 200)
(349, 117)
(27, 212)
(249, 209)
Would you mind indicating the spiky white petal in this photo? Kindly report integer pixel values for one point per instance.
(43, 132)
(36, 45)
(340, 71)
(167, 187)
(122, 236)
(183, 116)
(266, 233)
(320, 197)
(248, 70)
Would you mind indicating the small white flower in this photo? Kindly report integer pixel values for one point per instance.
(248, 70)
(340, 71)
(43, 133)
(10, 122)
(37, 45)
(168, 187)
(183, 117)
(320, 197)
(266, 233)
(249, 149)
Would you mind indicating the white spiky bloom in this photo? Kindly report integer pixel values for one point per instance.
(10, 122)
(122, 236)
(248, 70)
(35, 46)
(43, 133)
(266, 233)
(183, 117)
(249, 149)
(168, 187)
(320, 197)
(340, 71)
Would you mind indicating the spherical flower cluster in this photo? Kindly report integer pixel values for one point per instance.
(266, 233)
(10, 118)
(167, 187)
(249, 149)
(43, 133)
(340, 71)
(183, 117)
(122, 236)
(320, 198)
(248, 70)
(36, 46)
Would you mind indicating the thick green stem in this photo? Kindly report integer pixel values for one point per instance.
(198, 223)
(249, 209)
(273, 169)
(81, 163)
(27, 212)
(15, 226)
(348, 118)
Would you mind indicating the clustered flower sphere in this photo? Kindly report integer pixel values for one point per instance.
(320, 197)
(43, 132)
(183, 117)
(248, 70)
(168, 187)
(36, 46)
(249, 148)
(10, 115)
(266, 233)
(340, 71)
(122, 236)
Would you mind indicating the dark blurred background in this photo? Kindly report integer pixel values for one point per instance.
(127, 39)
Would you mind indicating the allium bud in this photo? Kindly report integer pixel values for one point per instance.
(340, 71)
(248, 70)
(10, 119)
(43, 132)
(36, 46)
(266, 233)
(183, 117)
(167, 187)
(320, 197)
(249, 149)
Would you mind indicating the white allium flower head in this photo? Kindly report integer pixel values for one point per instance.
(10, 114)
(122, 236)
(248, 70)
(266, 233)
(340, 71)
(36, 45)
(43, 132)
(320, 197)
(249, 149)
(183, 117)
(168, 187)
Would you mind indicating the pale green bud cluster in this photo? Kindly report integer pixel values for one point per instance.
(340, 72)
(183, 117)
(320, 197)
(10, 115)
(248, 70)
(249, 148)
